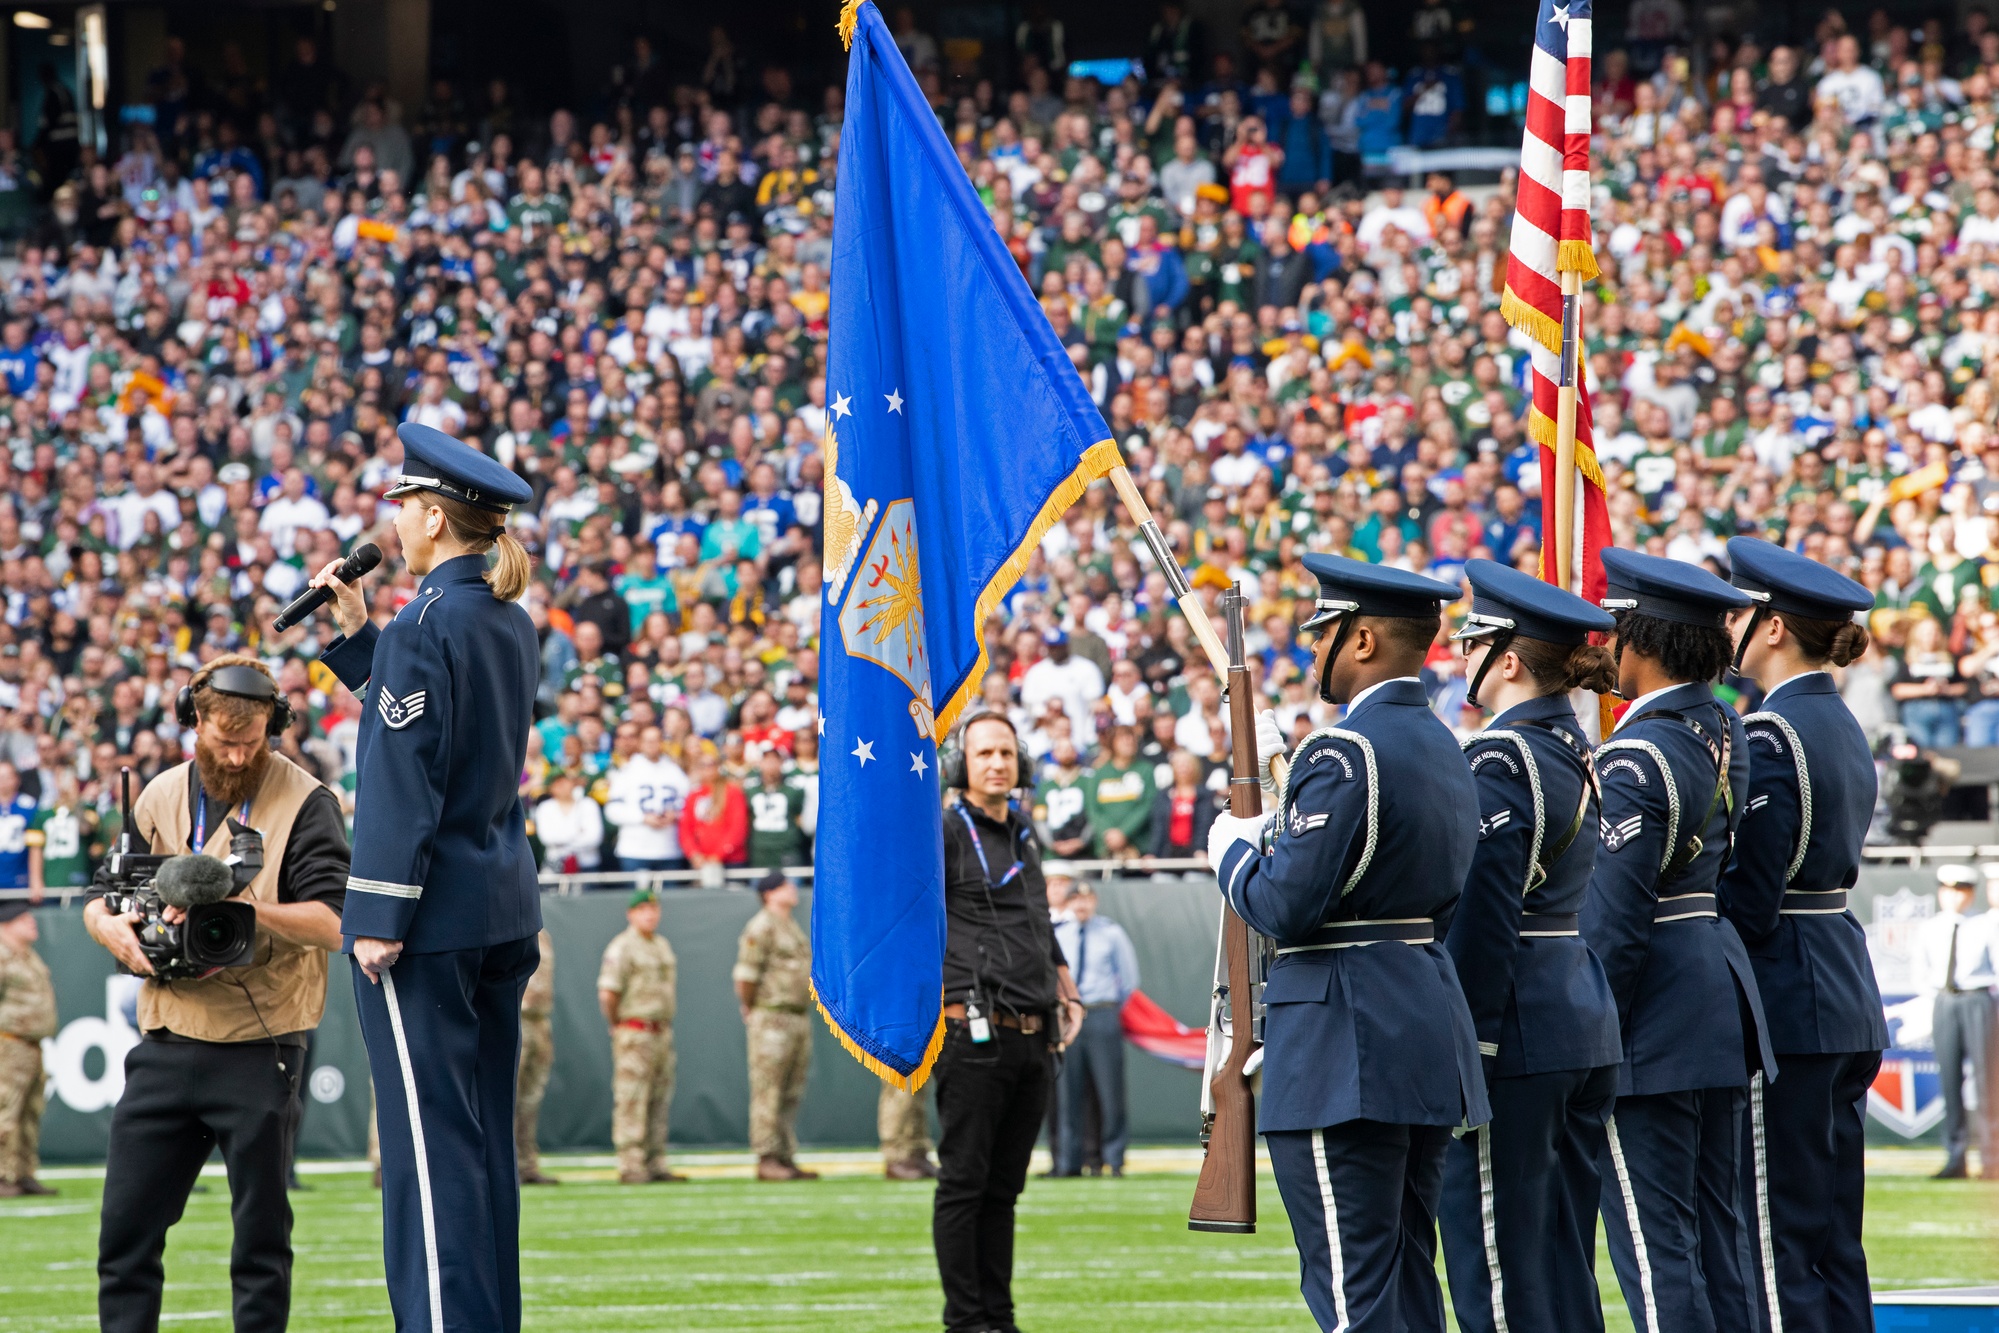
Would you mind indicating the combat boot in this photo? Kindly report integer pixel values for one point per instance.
(33, 1186)
(772, 1167)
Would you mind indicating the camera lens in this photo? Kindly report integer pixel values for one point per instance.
(215, 938)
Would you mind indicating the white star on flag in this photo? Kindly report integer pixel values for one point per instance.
(916, 765)
(1561, 19)
(842, 406)
(894, 401)
(863, 751)
(822, 724)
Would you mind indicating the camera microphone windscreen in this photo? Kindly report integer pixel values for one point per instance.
(194, 881)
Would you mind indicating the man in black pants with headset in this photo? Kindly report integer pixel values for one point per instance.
(1006, 988)
(222, 1056)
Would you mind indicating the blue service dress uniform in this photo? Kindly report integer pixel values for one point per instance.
(441, 862)
(1674, 780)
(1370, 1059)
(1520, 1193)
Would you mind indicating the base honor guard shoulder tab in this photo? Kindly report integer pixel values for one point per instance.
(1323, 747)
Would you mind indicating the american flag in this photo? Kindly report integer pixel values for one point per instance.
(1551, 236)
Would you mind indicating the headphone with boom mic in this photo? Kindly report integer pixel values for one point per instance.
(239, 682)
(951, 757)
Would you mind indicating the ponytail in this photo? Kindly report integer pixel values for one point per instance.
(1840, 642)
(1557, 669)
(480, 532)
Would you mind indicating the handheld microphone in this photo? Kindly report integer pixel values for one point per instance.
(353, 567)
(194, 880)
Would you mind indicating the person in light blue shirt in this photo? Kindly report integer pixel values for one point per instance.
(1105, 967)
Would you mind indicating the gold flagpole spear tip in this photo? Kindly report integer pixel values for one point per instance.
(850, 14)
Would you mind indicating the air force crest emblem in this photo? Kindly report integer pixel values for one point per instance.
(399, 713)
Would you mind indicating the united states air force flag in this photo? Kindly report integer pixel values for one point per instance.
(957, 432)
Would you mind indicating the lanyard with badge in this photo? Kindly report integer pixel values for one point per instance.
(975, 1020)
(201, 820)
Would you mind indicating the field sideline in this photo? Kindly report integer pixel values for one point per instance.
(850, 1252)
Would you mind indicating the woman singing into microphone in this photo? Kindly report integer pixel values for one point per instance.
(442, 908)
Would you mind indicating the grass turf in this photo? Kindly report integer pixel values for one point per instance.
(848, 1252)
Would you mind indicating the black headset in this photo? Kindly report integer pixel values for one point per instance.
(951, 757)
(239, 682)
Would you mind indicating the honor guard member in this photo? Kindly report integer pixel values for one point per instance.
(1811, 796)
(442, 908)
(1370, 1059)
(773, 977)
(537, 1059)
(1520, 1193)
(1673, 782)
(27, 1018)
(638, 990)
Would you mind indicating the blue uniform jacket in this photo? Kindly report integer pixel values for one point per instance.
(1811, 796)
(1540, 1002)
(441, 858)
(1686, 996)
(1377, 822)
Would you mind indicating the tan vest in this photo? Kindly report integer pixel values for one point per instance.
(288, 981)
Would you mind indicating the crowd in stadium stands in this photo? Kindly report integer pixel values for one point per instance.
(212, 333)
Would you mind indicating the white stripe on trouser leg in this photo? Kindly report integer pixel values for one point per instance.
(1332, 1216)
(1485, 1210)
(422, 1158)
(1763, 1256)
(1630, 1198)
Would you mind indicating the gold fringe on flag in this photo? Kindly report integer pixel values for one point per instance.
(1541, 430)
(1577, 257)
(1532, 322)
(910, 1082)
(1097, 461)
(850, 14)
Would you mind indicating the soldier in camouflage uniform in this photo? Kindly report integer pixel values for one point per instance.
(773, 976)
(635, 988)
(537, 1055)
(27, 1015)
(904, 1128)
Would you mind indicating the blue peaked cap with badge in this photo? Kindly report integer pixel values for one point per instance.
(1506, 601)
(433, 461)
(1783, 580)
(1354, 587)
(1666, 589)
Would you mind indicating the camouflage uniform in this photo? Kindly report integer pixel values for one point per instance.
(903, 1126)
(640, 972)
(27, 1015)
(537, 1055)
(774, 957)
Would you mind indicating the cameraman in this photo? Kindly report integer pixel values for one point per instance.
(221, 1057)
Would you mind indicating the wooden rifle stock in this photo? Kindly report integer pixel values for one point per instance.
(1225, 1197)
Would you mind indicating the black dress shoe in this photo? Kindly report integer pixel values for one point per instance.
(1951, 1171)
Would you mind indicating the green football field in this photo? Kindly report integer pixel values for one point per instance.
(848, 1252)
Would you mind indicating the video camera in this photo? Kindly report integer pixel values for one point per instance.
(215, 933)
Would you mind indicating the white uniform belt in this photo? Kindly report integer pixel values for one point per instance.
(1352, 934)
(1683, 907)
(1829, 902)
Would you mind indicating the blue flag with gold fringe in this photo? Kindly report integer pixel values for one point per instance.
(957, 432)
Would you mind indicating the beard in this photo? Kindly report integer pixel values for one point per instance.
(229, 787)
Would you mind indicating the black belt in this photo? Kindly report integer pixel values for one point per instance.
(1683, 907)
(295, 1040)
(1831, 902)
(1349, 934)
(1549, 925)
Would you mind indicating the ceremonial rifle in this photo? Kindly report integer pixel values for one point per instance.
(1225, 1198)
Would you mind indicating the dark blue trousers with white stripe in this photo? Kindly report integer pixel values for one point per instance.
(1672, 1211)
(1362, 1198)
(1804, 1180)
(444, 1041)
(1520, 1202)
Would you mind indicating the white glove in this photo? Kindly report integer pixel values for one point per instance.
(1269, 745)
(1228, 830)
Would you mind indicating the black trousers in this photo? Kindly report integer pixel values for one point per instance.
(1094, 1062)
(1520, 1203)
(1804, 1176)
(990, 1099)
(181, 1100)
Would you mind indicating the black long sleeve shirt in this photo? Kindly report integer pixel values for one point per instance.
(998, 935)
